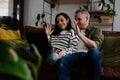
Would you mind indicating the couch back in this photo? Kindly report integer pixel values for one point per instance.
(110, 44)
(42, 30)
(111, 33)
(111, 49)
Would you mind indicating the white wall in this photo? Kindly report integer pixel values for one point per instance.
(5, 6)
(32, 7)
(70, 10)
(117, 18)
(10, 10)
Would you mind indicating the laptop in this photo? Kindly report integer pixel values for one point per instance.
(41, 42)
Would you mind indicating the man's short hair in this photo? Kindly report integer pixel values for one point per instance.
(84, 11)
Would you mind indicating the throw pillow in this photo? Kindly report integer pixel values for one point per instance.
(110, 44)
(9, 34)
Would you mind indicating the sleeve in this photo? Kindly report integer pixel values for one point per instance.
(49, 42)
(48, 38)
(72, 44)
(98, 37)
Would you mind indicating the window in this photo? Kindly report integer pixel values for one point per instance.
(4, 7)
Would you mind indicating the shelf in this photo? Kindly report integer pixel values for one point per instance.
(99, 13)
(100, 18)
(101, 24)
(68, 1)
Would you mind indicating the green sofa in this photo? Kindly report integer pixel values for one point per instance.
(110, 56)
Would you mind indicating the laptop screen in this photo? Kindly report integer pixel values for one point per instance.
(41, 42)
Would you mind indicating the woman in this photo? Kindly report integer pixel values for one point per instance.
(62, 38)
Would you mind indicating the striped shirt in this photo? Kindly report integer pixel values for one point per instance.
(66, 41)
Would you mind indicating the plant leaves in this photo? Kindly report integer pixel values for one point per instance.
(12, 64)
(111, 1)
(38, 17)
(35, 67)
(36, 24)
(43, 15)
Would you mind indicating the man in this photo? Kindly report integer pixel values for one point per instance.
(90, 41)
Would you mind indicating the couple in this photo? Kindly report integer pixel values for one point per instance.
(71, 47)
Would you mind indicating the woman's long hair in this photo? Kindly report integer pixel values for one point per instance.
(57, 30)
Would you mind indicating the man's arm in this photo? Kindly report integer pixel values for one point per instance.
(88, 42)
(94, 40)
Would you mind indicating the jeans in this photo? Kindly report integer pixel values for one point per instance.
(92, 59)
(52, 58)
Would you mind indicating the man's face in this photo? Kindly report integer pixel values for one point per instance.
(81, 20)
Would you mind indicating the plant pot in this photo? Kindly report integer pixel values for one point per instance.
(96, 6)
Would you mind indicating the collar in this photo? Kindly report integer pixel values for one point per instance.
(88, 29)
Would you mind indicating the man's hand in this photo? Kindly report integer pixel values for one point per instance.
(76, 29)
(88, 42)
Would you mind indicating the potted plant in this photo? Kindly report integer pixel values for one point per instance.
(109, 5)
(40, 19)
(14, 65)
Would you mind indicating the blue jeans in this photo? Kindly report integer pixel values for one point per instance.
(92, 59)
(52, 58)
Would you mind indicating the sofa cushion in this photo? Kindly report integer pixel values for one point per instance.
(111, 51)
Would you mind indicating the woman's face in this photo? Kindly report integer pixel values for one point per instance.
(62, 22)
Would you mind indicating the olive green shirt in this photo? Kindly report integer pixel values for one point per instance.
(95, 34)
